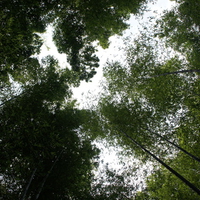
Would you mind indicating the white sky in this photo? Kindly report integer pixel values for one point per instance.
(112, 53)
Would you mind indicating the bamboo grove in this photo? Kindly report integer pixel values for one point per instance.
(149, 105)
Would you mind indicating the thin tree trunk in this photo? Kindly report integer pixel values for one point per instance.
(28, 185)
(177, 72)
(180, 148)
(14, 97)
(47, 175)
(8, 100)
(164, 164)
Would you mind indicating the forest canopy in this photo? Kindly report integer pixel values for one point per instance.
(149, 105)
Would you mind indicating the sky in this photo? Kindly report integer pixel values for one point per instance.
(88, 92)
(114, 52)
(92, 89)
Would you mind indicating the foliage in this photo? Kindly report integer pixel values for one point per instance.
(44, 153)
(163, 185)
(113, 185)
(76, 25)
(35, 128)
(180, 27)
(141, 95)
(152, 97)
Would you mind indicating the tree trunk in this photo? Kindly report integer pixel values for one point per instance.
(180, 148)
(47, 175)
(177, 72)
(164, 164)
(14, 97)
(28, 185)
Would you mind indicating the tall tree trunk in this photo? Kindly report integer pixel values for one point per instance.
(47, 175)
(177, 72)
(164, 164)
(28, 185)
(12, 98)
(180, 148)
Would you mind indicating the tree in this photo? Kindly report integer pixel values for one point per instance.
(171, 170)
(139, 100)
(36, 126)
(188, 134)
(34, 140)
(148, 98)
(76, 26)
(45, 139)
(163, 185)
(113, 185)
(180, 28)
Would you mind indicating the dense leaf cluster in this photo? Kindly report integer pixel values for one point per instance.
(76, 24)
